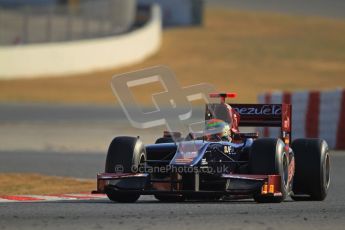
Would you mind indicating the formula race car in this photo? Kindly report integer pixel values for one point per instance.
(220, 162)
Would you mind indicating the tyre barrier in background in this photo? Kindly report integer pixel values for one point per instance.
(315, 114)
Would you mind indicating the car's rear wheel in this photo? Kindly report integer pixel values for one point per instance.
(125, 155)
(312, 172)
(268, 157)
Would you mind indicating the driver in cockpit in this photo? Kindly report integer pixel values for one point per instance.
(218, 130)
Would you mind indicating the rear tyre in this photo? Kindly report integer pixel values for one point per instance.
(125, 155)
(267, 157)
(312, 172)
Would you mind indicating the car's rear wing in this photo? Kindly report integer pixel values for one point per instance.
(264, 115)
(255, 115)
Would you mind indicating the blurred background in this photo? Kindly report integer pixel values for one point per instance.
(57, 58)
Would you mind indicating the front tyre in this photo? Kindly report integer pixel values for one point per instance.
(268, 157)
(125, 154)
(123, 198)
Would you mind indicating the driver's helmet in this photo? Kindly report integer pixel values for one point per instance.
(217, 130)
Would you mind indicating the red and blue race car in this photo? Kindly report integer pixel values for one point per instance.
(221, 162)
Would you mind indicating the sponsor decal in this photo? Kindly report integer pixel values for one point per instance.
(204, 161)
(260, 110)
(183, 160)
(227, 149)
(189, 154)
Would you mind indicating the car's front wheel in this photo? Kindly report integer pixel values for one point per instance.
(268, 157)
(125, 154)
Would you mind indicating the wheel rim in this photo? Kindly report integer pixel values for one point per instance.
(327, 171)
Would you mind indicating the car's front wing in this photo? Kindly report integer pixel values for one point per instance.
(144, 184)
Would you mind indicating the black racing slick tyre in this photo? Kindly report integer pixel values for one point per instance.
(312, 170)
(125, 155)
(268, 157)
